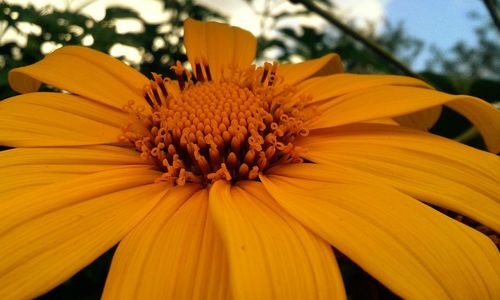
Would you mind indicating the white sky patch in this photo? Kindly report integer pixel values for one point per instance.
(88, 40)
(149, 10)
(363, 14)
(48, 47)
(128, 25)
(131, 54)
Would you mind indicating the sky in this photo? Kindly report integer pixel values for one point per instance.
(438, 22)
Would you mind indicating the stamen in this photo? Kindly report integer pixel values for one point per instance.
(232, 160)
(179, 72)
(207, 69)
(159, 81)
(273, 74)
(267, 66)
(156, 95)
(243, 171)
(198, 70)
(146, 96)
(229, 129)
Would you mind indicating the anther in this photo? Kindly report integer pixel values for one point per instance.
(226, 136)
(270, 152)
(273, 74)
(262, 161)
(202, 163)
(198, 70)
(171, 150)
(266, 71)
(214, 155)
(249, 157)
(254, 173)
(160, 83)
(207, 69)
(220, 142)
(243, 171)
(147, 97)
(179, 72)
(235, 144)
(151, 96)
(232, 160)
(201, 142)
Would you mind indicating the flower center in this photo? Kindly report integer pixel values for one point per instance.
(229, 129)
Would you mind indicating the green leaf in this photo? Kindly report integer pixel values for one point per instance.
(118, 12)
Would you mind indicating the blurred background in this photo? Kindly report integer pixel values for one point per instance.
(452, 44)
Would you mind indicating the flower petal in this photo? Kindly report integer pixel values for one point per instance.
(75, 105)
(85, 72)
(24, 169)
(100, 154)
(414, 250)
(271, 256)
(222, 45)
(44, 250)
(178, 241)
(393, 101)
(328, 87)
(325, 65)
(423, 120)
(20, 179)
(433, 169)
(484, 116)
(29, 205)
(52, 119)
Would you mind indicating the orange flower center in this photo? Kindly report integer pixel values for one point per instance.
(229, 129)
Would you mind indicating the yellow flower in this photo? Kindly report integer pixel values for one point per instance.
(237, 183)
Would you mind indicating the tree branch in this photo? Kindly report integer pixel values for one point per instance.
(355, 35)
(490, 6)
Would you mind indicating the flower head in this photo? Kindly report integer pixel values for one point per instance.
(231, 128)
(234, 180)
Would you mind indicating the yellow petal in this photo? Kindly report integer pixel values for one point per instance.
(393, 101)
(85, 72)
(271, 256)
(68, 155)
(487, 249)
(174, 253)
(329, 87)
(25, 206)
(387, 121)
(75, 105)
(222, 45)
(423, 120)
(51, 119)
(484, 116)
(433, 169)
(325, 65)
(412, 249)
(18, 179)
(44, 250)
(24, 169)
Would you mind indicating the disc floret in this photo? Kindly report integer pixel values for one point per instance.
(226, 129)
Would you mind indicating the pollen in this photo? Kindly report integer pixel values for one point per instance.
(200, 130)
